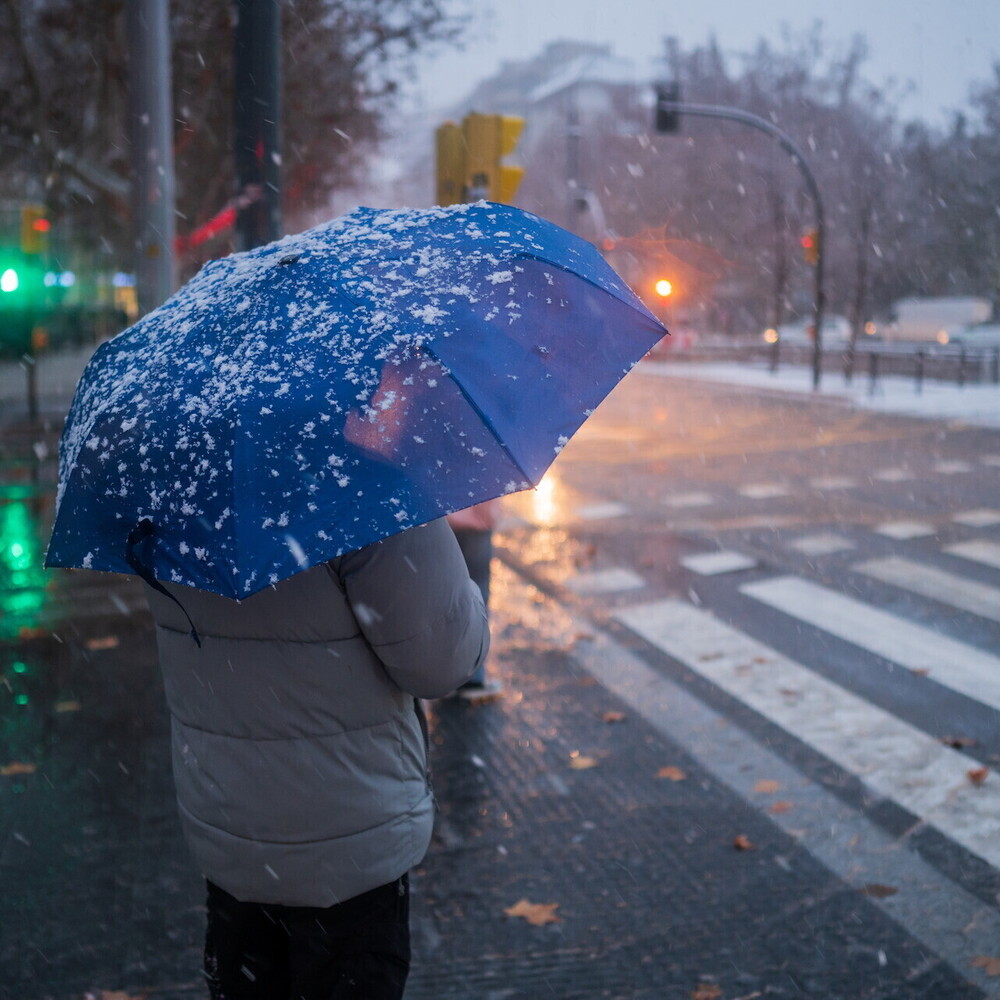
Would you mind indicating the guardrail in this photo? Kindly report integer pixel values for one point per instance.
(948, 363)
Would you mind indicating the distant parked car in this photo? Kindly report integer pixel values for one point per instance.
(977, 335)
(836, 332)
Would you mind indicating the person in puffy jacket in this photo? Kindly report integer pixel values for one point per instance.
(299, 757)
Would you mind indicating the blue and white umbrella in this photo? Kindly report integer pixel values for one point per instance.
(306, 398)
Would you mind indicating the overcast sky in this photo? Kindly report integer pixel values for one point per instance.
(938, 46)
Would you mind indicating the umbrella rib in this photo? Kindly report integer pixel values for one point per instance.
(482, 416)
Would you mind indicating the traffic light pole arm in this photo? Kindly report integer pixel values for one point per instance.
(789, 146)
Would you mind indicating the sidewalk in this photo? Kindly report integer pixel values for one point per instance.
(973, 403)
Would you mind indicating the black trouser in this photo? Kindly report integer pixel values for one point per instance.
(358, 949)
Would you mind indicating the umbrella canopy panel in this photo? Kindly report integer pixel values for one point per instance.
(310, 397)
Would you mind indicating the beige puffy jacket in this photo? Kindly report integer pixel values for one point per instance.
(298, 751)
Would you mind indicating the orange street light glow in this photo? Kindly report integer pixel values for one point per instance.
(663, 288)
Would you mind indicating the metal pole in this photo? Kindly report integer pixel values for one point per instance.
(788, 144)
(151, 133)
(257, 120)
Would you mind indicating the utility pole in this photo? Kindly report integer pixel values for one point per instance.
(151, 133)
(257, 120)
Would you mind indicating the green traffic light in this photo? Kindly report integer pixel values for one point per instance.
(9, 281)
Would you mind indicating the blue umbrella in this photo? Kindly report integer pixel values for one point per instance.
(312, 396)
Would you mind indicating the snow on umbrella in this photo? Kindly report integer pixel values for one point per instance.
(312, 396)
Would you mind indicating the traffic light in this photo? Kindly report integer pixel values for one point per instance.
(469, 159)
(667, 119)
(450, 146)
(34, 230)
(810, 246)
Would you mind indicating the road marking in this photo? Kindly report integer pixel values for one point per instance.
(979, 550)
(947, 661)
(689, 500)
(952, 468)
(893, 758)
(602, 511)
(821, 545)
(604, 581)
(947, 919)
(984, 517)
(827, 483)
(715, 563)
(937, 584)
(993, 460)
(763, 491)
(892, 475)
(904, 530)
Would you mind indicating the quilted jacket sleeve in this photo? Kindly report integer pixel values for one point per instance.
(418, 609)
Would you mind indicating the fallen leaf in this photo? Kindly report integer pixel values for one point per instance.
(614, 717)
(581, 763)
(17, 768)
(671, 772)
(920, 671)
(781, 806)
(958, 742)
(706, 991)
(877, 891)
(743, 843)
(977, 775)
(767, 786)
(536, 914)
(789, 692)
(68, 706)
(103, 642)
(989, 964)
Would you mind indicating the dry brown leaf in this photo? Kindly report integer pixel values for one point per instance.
(103, 642)
(743, 843)
(672, 773)
(68, 706)
(706, 991)
(781, 806)
(878, 891)
(580, 763)
(17, 767)
(536, 914)
(920, 671)
(977, 775)
(958, 742)
(989, 964)
(613, 717)
(767, 786)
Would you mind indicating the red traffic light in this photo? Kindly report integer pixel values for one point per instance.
(41, 225)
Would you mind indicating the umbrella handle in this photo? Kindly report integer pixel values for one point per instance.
(143, 530)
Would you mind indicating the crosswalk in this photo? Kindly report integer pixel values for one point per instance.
(917, 600)
(913, 606)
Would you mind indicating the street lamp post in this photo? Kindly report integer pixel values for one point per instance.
(667, 106)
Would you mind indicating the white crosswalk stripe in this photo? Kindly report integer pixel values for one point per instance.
(893, 758)
(937, 584)
(954, 664)
(978, 550)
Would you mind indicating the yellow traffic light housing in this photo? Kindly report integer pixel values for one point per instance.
(469, 159)
(450, 146)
